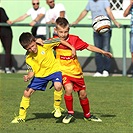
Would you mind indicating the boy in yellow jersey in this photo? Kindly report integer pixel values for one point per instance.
(71, 70)
(42, 68)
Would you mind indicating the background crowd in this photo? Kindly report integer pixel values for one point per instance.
(39, 15)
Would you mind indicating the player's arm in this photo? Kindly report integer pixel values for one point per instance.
(30, 73)
(127, 11)
(42, 42)
(21, 18)
(98, 50)
(28, 76)
(69, 46)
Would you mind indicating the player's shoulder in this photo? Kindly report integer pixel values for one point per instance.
(52, 40)
(73, 36)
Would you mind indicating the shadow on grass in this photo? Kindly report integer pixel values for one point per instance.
(77, 115)
(108, 115)
(104, 115)
(40, 116)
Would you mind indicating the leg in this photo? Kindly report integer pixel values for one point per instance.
(69, 102)
(7, 45)
(57, 93)
(132, 63)
(84, 102)
(57, 99)
(106, 47)
(98, 56)
(24, 104)
(131, 49)
(69, 98)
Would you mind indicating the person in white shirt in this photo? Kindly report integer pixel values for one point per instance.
(38, 17)
(54, 11)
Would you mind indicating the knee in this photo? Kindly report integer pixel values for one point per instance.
(83, 96)
(27, 93)
(58, 86)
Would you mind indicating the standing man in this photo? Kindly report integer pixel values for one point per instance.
(6, 37)
(54, 11)
(129, 10)
(102, 41)
(38, 17)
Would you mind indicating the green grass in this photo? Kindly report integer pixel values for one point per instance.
(111, 99)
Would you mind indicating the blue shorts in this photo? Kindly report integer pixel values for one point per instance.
(41, 83)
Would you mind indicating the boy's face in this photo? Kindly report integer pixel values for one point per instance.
(62, 32)
(32, 48)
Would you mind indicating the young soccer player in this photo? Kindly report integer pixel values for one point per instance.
(71, 70)
(42, 68)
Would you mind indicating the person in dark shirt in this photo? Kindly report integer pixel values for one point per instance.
(6, 37)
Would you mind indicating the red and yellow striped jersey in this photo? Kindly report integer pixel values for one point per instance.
(68, 65)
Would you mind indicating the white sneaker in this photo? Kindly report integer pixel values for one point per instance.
(105, 73)
(7, 70)
(97, 74)
(13, 70)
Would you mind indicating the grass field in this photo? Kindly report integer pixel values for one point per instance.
(111, 99)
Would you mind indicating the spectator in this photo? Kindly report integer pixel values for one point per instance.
(54, 11)
(71, 70)
(129, 10)
(6, 37)
(38, 17)
(102, 41)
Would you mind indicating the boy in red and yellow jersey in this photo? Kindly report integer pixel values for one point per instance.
(71, 70)
(42, 68)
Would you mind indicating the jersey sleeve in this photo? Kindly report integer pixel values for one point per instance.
(52, 42)
(80, 44)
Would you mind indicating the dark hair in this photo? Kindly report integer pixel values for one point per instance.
(26, 39)
(63, 22)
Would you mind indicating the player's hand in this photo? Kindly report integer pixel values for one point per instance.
(108, 54)
(73, 52)
(26, 78)
(39, 41)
